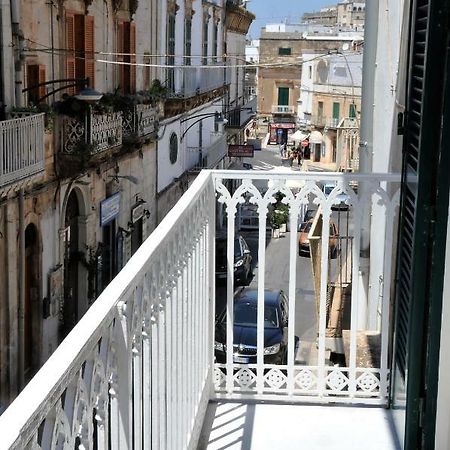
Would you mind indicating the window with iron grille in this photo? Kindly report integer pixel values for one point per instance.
(173, 148)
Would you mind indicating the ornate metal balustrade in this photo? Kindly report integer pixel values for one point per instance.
(104, 132)
(138, 369)
(21, 148)
(141, 120)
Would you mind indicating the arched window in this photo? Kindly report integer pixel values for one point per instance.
(173, 148)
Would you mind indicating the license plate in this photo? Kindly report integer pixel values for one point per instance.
(240, 359)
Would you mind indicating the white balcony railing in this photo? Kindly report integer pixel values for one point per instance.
(283, 109)
(138, 369)
(21, 148)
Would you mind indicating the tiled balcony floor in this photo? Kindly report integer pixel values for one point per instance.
(248, 426)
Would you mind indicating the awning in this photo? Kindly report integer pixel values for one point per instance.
(315, 137)
(298, 136)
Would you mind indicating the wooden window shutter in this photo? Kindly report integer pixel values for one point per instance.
(70, 46)
(120, 58)
(89, 49)
(132, 59)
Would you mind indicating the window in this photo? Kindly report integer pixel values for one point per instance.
(310, 72)
(146, 71)
(336, 108)
(215, 35)
(35, 75)
(283, 96)
(187, 40)
(171, 52)
(80, 61)
(205, 40)
(320, 109)
(126, 44)
(284, 51)
(173, 148)
(352, 111)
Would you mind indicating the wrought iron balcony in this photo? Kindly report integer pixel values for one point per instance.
(139, 369)
(207, 157)
(92, 134)
(141, 120)
(283, 109)
(21, 148)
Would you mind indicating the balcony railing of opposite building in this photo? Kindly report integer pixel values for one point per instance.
(138, 370)
(207, 157)
(99, 131)
(21, 148)
(283, 109)
(322, 121)
(141, 120)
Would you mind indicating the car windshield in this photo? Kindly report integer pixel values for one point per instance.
(306, 226)
(246, 313)
(221, 249)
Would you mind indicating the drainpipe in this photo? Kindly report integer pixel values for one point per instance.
(18, 44)
(21, 309)
(366, 149)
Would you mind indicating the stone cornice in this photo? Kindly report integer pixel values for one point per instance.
(238, 19)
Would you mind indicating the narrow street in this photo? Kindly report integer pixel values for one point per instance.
(277, 270)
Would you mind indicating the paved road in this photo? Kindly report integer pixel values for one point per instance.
(277, 271)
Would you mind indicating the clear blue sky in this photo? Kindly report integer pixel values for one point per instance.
(270, 11)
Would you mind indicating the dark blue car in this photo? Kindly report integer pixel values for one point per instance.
(245, 334)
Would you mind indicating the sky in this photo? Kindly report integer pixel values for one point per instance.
(276, 11)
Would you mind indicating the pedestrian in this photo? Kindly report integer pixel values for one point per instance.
(300, 157)
(281, 148)
(285, 150)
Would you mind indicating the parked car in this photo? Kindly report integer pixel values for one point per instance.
(303, 239)
(276, 316)
(242, 270)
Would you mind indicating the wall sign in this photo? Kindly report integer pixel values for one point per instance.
(246, 151)
(109, 209)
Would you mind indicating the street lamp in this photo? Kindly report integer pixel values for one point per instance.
(219, 119)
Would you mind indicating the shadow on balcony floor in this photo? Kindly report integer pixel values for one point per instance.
(248, 426)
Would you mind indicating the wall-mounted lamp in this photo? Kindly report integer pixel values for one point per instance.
(219, 119)
(130, 178)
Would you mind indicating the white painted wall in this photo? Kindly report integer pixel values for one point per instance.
(306, 88)
(387, 145)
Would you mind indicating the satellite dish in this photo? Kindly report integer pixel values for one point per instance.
(345, 47)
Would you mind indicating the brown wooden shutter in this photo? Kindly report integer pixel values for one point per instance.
(132, 59)
(119, 58)
(70, 46)
(89, 49)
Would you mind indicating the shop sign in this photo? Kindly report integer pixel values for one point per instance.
(246, 151)
(282, 125)
(109, 209)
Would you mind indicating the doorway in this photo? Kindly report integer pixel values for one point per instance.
(31, 306)
(71, 263)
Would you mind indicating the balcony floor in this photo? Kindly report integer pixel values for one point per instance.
(249, 426)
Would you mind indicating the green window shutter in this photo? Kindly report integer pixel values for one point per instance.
(418, 293)
(336, 110)
(283, 51)
(352, 111)
(283, 96)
